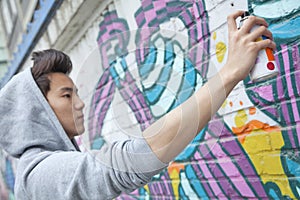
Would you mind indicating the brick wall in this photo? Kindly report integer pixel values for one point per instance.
(152, 55)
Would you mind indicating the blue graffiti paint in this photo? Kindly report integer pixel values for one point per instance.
(189, 83)
(9, 175)
(150, 60)
(293, 167)
(182, 193)
(189, 77)
(154, 93)
(189, 151)
(279, 30)
(114, 75)
(195, 183)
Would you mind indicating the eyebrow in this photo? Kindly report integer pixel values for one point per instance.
(68, 89)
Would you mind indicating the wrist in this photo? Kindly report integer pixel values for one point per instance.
(229, 78)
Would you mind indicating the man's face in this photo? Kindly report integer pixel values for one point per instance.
(65, 102)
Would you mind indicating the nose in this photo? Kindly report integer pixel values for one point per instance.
(78, 104)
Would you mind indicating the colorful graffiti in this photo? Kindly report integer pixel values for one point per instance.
(7, 177)
(279, 99)
(153, 50)
(250, 148)
(156, 58)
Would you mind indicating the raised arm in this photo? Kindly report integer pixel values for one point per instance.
(172, 133)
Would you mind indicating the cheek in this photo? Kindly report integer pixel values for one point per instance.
(67, 117)
(64, 114)
(68, 123)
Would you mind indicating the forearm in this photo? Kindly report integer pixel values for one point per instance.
(172, 133)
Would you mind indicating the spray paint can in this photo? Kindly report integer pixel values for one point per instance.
(265, 66)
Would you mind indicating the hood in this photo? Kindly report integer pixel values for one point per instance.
(27, 120)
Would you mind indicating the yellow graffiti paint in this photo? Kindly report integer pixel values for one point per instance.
(214, 35)
(224, 104)
(267, 160)
(262, 144)
(174, 173)
(147, 189)
(241, 118)
(220, 51)
(241, 129)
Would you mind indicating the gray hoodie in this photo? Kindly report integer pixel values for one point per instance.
(50, 165)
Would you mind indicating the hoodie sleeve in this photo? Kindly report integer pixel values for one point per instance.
(103, 174)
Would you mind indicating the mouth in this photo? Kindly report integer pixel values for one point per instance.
(80, 117)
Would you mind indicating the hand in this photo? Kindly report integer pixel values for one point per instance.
(243, 47)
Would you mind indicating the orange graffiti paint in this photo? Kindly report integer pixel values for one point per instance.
(252, 111)
(175, 167)
(253, 125)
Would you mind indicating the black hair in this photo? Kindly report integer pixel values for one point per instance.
(46, 62)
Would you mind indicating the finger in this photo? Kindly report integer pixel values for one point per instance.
(266, 44)
(259, 32)
(231, 20)
(261, 22)
(251, 22)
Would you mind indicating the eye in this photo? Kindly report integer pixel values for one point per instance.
(67, 96)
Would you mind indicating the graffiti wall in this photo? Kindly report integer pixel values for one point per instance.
(153, 55)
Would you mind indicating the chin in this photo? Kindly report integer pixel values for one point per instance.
(80, 131)
(77, 132)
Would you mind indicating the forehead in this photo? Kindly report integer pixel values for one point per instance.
(60, 80)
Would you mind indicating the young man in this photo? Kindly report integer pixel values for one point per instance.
(41, 114)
